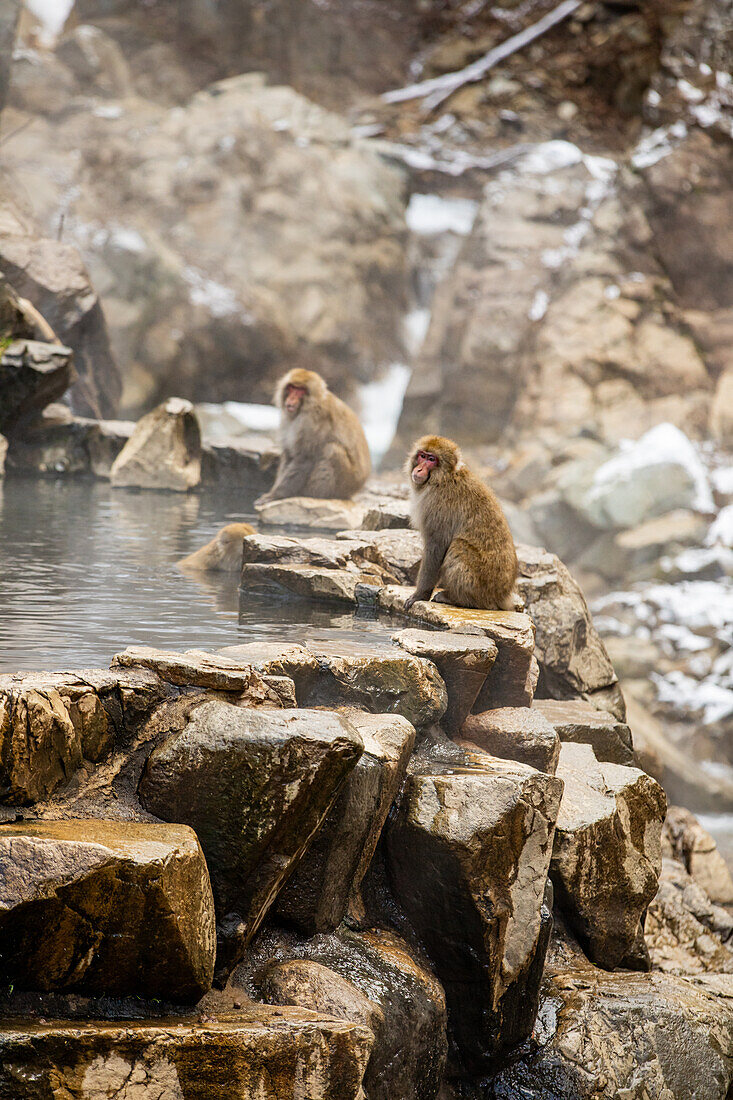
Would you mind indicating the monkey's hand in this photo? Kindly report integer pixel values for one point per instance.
(413, 599)
(265, 498)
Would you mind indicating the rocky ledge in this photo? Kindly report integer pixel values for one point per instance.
(335, 874)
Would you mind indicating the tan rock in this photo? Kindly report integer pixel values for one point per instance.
(685, 932)
(106, 907)
(607, 852)
(263, 1052)
(306, 581)
(515, 733)
(721, 413)
(694, 847)
(576, 720)
(194, 668)
(463, 661)
(164, 451)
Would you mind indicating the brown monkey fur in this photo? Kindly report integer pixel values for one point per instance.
(467, 544)
(223, 554)
(324, 449)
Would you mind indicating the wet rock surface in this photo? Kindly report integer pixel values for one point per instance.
(259, 1052)
(106, 907)
(373, 978)
(463, 661)
(616, 814)
(255, 786)
(443, 857)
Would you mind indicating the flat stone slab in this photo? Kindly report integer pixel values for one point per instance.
(195, 668)
(399, 550)
(511, 681)
(384, 683)
(387, 514)
(463, 660)
(305, 581)
(261, 1052)
(515, 733)
(106, 907)
(577, 720)
(255, 784)
(328, 515)
(607, 854)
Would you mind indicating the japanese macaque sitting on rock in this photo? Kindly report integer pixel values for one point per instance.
(467, 544)
(324, 449)
(223, 554)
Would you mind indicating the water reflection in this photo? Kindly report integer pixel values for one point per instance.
(86, 570)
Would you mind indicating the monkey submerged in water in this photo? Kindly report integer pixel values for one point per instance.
(223, 554)
(324, 449)
(467, 543)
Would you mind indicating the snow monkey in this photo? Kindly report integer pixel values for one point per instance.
(467, 543)
(223, 554)
(324, 449)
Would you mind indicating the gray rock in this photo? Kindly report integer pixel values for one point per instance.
(327, 515)
(255, 785)
(463, 661)
(316, 896)
(515, 733)
(259, 1052)
(196, 669)
(239, 462)
(8, 25)
(576, 720)
(375, 980)
(32, 375)
(164, 451)
(474, 897)
(387, 514)
(572, 658)
(60, 443)
(400, 550)
(607, 853)
(52, 275)
(106, 907)
(304, 581)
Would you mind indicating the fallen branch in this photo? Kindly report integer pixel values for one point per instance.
(440, 87)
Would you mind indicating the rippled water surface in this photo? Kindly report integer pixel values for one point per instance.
(86, 570)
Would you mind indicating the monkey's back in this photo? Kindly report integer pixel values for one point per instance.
(482, 525)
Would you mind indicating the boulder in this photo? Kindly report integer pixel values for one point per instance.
(474, 897)
(576, 720)
(106, 907)
(196, 669)
(693, 846)
(255, 785)
(515, 733)
(317, 551)
(39, 745)
(259, 1052)
(606, 1036)
(383, 683)
(32, 375)
(316, 896)
(328, 515)
(511, 681)
(684, 931)
(375, 980)
(646, 543)
(607, 853)
(572, 658)
(53, 277)
(400, 551)
(164, 451)
(656, 474)
(387, 514)
(60, 443)
(463, 661)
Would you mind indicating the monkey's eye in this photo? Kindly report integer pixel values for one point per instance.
(425, 456)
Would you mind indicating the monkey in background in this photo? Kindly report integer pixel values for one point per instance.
(467, 544)
(222, 555)
(324, 449)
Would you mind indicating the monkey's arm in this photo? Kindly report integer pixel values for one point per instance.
(427, 578)
(292, 477)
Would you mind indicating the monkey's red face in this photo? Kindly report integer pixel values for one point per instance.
(294, 398)
(423, 465)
